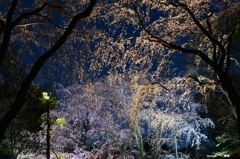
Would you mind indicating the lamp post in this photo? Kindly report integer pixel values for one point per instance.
(46, 97)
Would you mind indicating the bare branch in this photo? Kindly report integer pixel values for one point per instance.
(208, 23)
(221, 47)
(60, 9)
(10, 25)
(26, 15)
(31, 23)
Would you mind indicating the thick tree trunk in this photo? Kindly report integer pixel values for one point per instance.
(19, 100)
(233, 94)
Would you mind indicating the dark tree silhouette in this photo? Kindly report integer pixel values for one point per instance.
(6, 29)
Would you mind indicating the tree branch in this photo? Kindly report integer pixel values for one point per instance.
(26, 15)
(221, 47)
(154, 38)
(31, 23)
(7, 32)
(214, 58)
(60, 9)
(10, 25)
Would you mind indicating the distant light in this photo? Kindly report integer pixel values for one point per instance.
(45, 95)
(227, 155)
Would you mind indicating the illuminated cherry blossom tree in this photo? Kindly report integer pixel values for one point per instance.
(163, 29)
(112, 118)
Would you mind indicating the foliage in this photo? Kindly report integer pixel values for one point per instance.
(228, 142)
(47, 101)
(60, 122)
(30, 156)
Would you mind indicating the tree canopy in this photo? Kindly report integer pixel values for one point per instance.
(164, 29)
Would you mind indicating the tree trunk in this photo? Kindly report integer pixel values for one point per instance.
(138, 137)
(233, 94)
